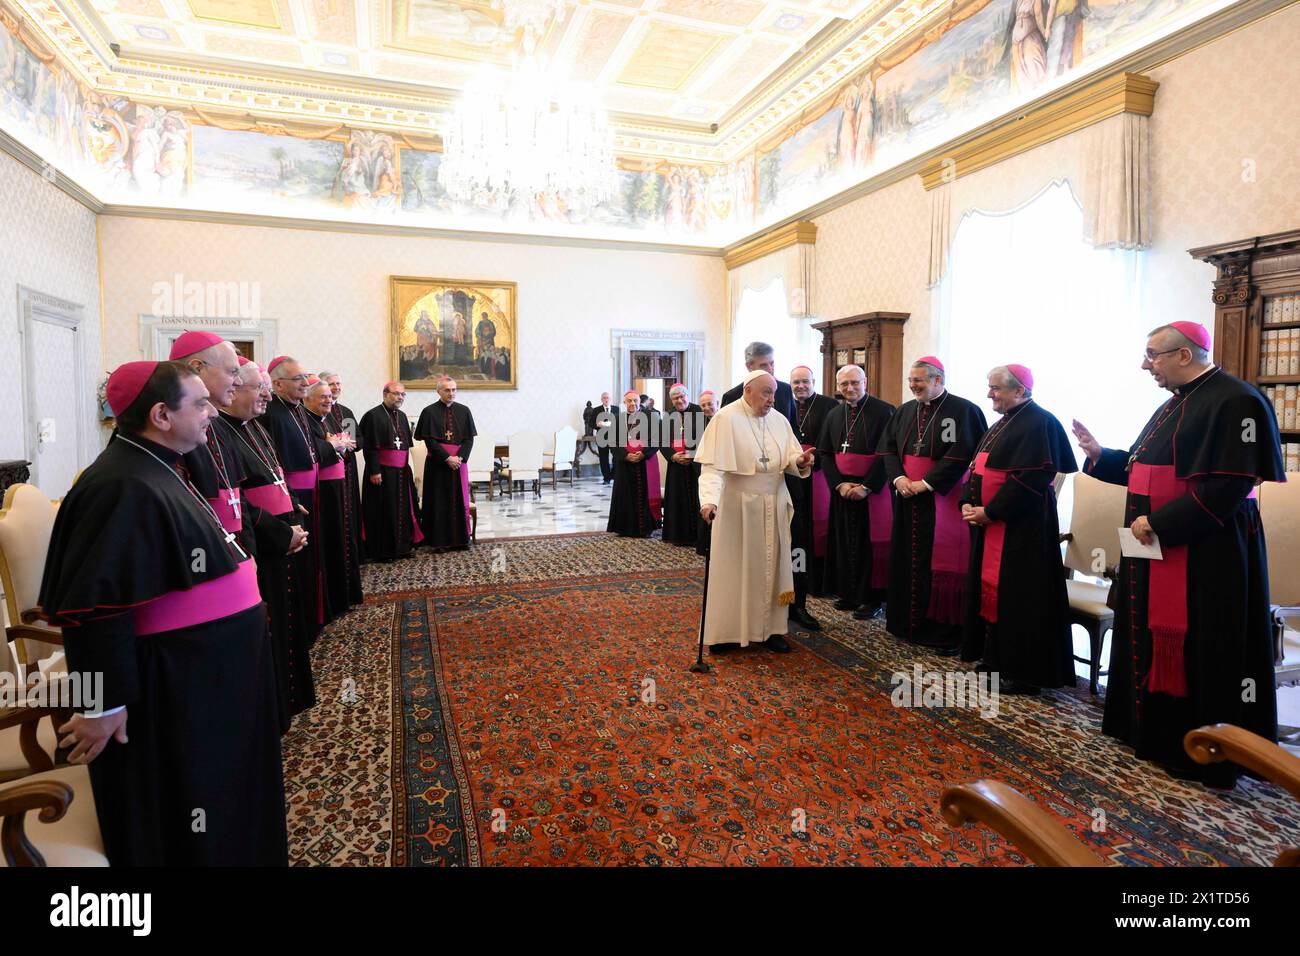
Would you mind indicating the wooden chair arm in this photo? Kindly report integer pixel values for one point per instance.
(1034, 831)
(1218, 742)
(28, 720)
(35, 632)
(50, 797)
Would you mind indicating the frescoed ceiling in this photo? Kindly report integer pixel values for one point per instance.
(672, 67)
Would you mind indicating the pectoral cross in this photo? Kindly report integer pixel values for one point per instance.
(230, 540)
(279, 482)
(233, 501)
(845, 447)
(918, 449)
(448, 434)
(397, 442)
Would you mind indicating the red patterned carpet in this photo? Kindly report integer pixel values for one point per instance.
(556, 723)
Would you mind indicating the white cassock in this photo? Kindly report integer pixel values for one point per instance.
(750, 581)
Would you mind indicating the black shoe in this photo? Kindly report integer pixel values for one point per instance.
(948, 651)
(869, 612)
(843, 604)
(805, 620)
(721, 648)
(778, 643)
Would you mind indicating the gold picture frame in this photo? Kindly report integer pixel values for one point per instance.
(465, 328)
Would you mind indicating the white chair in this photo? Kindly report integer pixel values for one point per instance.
(1092, 549)
(525, 461)
(481, 465)
(419, 454)
(26, 522)
(1279, 510)
(560, 458)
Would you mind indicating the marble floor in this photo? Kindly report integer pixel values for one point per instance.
(582, 506)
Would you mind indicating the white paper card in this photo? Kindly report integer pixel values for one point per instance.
(1131, 547)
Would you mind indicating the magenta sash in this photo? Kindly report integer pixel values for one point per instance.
(1167, 587)
(332, 472)
(304, 480)
(463, 470)
(821, 508)
(396, 458)
(950, 549)
(209, 601)
(880, 508)
(679, 446)
(226, 511)
(992, 480)
(273, 499)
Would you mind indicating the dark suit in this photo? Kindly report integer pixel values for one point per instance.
(599, 412)
(784, 402)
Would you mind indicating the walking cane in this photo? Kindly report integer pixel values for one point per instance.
(699, 667)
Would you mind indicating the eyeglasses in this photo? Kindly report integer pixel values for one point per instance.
(1150, 356)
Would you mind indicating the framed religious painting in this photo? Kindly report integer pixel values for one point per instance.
(465, 328)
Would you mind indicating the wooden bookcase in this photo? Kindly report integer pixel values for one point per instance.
(1257, 290)
(873, 340)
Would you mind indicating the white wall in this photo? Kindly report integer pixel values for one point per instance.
(47, 243)
(329, 293)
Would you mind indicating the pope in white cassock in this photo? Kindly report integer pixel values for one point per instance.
(743, 456)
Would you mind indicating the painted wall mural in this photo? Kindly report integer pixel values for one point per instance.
(990, 56)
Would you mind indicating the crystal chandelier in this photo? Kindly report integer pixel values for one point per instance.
(530, 15)
(527, 138)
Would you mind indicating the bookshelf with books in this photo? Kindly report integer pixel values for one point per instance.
(1257, 322)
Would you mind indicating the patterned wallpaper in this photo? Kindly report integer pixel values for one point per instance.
(1224, 138)
(329, 293)
(47, 243)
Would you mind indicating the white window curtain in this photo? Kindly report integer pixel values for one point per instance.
(1108, 167)
(762, 317)
(1023, 287)
(795, 268)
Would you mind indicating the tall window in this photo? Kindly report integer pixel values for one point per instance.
(764, 316)
(1024, 287)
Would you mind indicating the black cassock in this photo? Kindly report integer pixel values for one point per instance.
(704, 530)
(930, 547)
(343, 422)
(340, 565)
(681, 432)
(857, 542)
(291, 436)
(446, 430)
(1204, 608)
(390, 528)
(629, 502)
(811, 497)
(284, 582)
(1017, 614)
(130, 543)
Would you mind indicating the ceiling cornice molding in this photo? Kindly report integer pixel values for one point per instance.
(1123, 93)
(789, 234)
(397, 229)
(37, 164)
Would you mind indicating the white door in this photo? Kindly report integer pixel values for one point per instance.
(55, 390)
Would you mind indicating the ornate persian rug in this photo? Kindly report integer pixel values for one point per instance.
(555, 723)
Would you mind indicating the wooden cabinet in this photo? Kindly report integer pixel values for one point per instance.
(873, 340)
(1257, 322)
